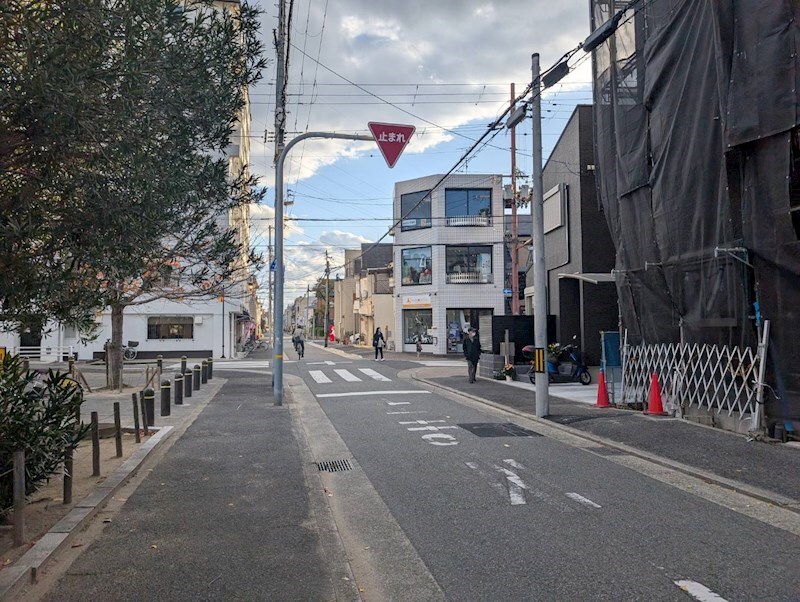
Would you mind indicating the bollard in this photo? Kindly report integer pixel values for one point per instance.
(183, 364)
(144, 414)
(196, 377)
(67, 493)
(179, 389)
(204, 372)
(187, 384)
(150, 407)
(118, 429)
(71, 365)
(166, 388)
(19, 498)
(136, 418)
(210, 368)
(160, 362)
(95, 445)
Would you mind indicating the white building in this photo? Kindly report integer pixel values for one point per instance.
(448, 258)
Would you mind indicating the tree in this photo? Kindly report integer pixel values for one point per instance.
(114, 120)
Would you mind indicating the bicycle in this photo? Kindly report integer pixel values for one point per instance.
(300, 348)
(129, 352)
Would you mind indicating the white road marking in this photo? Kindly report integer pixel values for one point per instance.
(422, 422)
(410, 412)
(375, 375)
(448, 439)
(515, 486)
(514, 464)
(498, 487)
(319, 376)
(583, 500)
(391, 403)
(326, 363)
(698, 591)
(348, 376)
(238, 365)
(430, 428)
(398, 403)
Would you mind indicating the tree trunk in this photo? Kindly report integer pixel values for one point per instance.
(115, 348)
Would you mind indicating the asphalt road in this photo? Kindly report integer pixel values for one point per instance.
(434, 498)
(529, 517)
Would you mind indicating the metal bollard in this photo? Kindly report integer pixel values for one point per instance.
(135, 399)
(160, 362)
(118, 429)
(196, 377)
(187, 383)
(150, 407)
(71, 365)
(183, 364)
(166, 391)
(204, 372)
(210, 368)
(95, 445)
(179, 389)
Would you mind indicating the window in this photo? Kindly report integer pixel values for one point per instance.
(415, 210)
(458, 321)
(468, 207)
(553, 210)
(416, 266)
(416, 324)
(170, 327)
(469, 265)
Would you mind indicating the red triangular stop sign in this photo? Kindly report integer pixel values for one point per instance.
(391, 138)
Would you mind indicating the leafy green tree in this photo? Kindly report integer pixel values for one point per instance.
(115, 116)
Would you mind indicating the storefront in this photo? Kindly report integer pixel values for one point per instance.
(417, 320)
(458, 321)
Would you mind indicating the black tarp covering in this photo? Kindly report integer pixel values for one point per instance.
(698, 166)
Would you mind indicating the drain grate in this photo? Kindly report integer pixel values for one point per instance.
(497, 429)
(334, 465)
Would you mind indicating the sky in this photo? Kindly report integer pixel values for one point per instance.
(444, 67)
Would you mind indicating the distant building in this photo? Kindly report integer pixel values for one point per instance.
(448, 258)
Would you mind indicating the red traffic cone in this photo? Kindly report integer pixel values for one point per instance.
(655, 407)
(602, 392)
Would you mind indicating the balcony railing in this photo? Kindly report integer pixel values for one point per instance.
(469, 278)
(469, 220)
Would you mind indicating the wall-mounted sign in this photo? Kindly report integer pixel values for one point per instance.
(415, 301)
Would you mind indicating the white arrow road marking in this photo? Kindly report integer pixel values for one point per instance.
(498, 487)
(583, 500)
(698, 591)
(375, 375)
(514, 464)
(319, 376)
(348, 376)
(515, 486)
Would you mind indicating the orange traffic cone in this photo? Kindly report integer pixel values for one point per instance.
(602, 392)
(655, 407)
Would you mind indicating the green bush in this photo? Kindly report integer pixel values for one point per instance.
(38, 415)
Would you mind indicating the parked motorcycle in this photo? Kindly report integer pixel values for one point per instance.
(567, 365)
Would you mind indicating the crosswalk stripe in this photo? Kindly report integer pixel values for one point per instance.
(319, 376)
(375, 375)
(348, 376)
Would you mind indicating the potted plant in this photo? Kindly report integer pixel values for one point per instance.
(509, 372)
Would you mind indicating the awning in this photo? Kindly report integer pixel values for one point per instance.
(592, 278)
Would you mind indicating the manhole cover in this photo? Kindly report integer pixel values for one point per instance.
(334, 465)
(498, 429)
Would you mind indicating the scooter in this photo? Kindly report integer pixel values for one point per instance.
(568, 367)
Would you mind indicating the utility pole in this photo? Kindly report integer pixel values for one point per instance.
(537, 217)
(280, 79)
(327, 293)
(269, 285)
(514, 229)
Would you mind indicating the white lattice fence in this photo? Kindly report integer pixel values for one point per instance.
(707, 376)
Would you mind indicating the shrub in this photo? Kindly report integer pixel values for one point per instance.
(37, 416)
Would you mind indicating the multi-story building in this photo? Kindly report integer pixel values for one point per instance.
(448, 259)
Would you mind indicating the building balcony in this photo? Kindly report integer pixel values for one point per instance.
(469, 220)
(469, 278)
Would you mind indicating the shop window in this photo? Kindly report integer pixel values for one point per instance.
(170, 327)
(468, 207)
(458, 321)
(469, 264)
(416, 326)
(416, 266)
(415, 210)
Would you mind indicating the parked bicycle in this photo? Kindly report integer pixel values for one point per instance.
(129, 351)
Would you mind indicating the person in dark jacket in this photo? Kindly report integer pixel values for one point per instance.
(472, 351)
(379, 343)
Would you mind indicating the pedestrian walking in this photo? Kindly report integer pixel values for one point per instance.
(299, 340)
(379, 343)
(419, 346)
(472, 351)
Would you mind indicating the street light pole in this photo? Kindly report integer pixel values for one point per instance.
(537, 217)
(277, 335)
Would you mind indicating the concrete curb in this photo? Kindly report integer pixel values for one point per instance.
(748, 490)
(25, 569)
